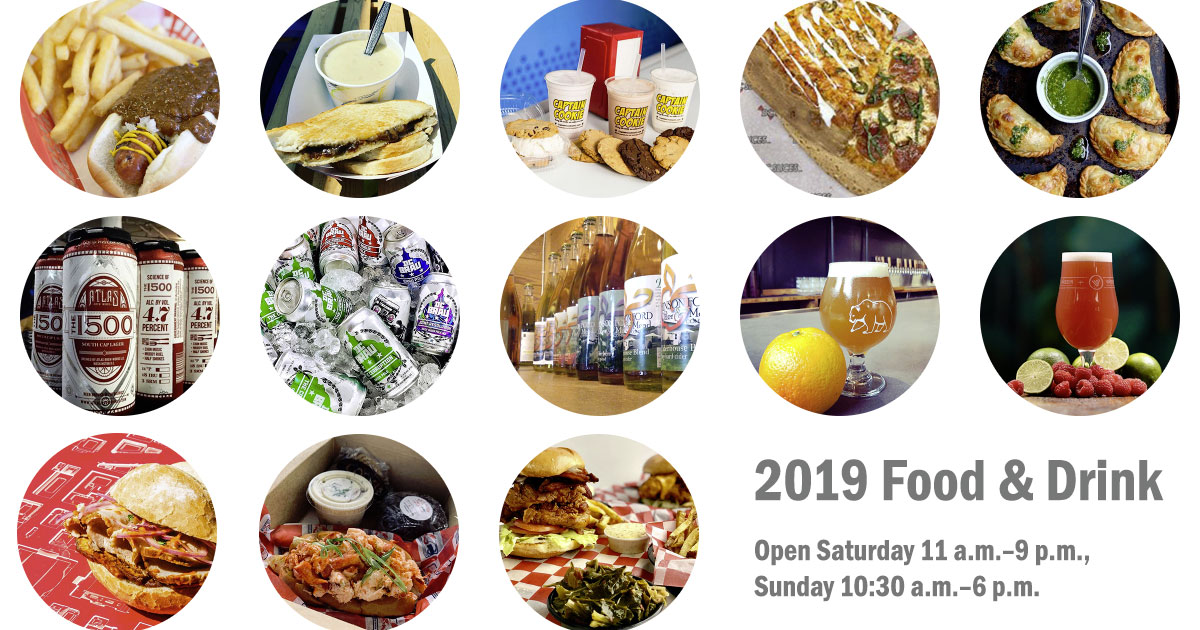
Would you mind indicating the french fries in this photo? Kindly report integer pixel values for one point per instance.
(91, 57)
(603, 514)
(685, 540)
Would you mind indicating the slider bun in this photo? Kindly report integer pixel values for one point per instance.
(383, 607)
(168, 496)
(170, 165)
(162, 600)
(657, 465)
(555, 460)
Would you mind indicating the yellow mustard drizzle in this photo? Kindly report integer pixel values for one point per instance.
(132, 137)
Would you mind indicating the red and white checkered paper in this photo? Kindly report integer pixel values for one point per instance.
(80, 473)
(534, 579)
(434, 552)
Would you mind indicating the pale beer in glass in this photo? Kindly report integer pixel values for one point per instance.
(858, 309)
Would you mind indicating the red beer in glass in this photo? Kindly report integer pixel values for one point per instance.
(1086, 310)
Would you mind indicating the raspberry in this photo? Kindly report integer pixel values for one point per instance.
(1099, 371)
(1111, 377)
(1063, 389)
(1083, 373)
(1061, 365)
(1084, 388)
(1137, 386)
(1104, 388)
(1063, 375)
(1121, 388)
(1017, 386)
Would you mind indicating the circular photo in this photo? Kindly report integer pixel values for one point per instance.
(1079, 316)
(607, 542)
(120, 98)
(120, 315)
(116, 531)
(599, 98)
(1072, 128)
(360, 315)
(358, 531)
(840, 98)
(356, 115)
(824, 294)
(607, 317)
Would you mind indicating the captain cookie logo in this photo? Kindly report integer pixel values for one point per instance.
(565, 110)
(629, 116)
(870, 316)
(666, 105)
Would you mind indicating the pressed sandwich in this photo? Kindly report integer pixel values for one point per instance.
(359, 131)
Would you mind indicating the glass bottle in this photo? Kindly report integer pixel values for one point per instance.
(586, 366)
(643, 312)
(528, 326)
(585, 254)
(510, 321)
(544, 350)
(680, 317)
(563, 300)
(611, 319)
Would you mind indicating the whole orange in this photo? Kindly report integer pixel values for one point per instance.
(805, 366)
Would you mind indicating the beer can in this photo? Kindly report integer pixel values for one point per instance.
(337, 393)
(100, 285)
(268, 316)
(302, 300)
(269, 348)
(378, 352)
(157, 299)
(178, 341)
(394, 305)
(371, 232)
(203, 317)
(48, 317)
(296, 260)
(408, 258)
(435, 323)
(339, 246)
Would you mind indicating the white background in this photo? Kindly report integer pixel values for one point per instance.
(959, 207)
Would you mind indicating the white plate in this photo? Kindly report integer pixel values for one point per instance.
(310, 96)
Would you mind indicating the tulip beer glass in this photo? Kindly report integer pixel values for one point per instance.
(1086, 310)
(858, 309)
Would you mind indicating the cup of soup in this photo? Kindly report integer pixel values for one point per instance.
(353, 77)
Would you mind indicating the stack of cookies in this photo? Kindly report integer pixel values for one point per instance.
(536, 141)
(632, 157)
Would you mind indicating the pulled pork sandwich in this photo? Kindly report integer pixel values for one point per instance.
(354, 572)
(151, 540)
(549, 508)
(664, 488)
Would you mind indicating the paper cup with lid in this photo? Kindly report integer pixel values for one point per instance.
(340, 497)
(568, 93)
(673, 93)
(352, 77)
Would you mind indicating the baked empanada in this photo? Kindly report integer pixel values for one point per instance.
(1126, 145)
(1062, 15)
(1053, 181)
(1019, 47)
(1125, 20)
(1016, 131)
(1095, 181)
(1133, 84)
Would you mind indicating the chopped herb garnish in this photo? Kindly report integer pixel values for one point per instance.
(1018, 134)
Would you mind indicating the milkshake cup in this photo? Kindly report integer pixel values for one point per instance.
(673, 94)
(569, 92)
(630, 100)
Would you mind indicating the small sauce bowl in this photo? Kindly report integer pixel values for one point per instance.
(627, 538)
(343, 93)
(1088, 62)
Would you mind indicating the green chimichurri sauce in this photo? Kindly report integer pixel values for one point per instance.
(1072, 98)
(1102, 42)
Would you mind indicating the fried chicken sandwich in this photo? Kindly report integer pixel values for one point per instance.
(549, 508)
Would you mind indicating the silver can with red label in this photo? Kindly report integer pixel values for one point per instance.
(48, 317)
(100, 301)
(339, 246)
(158, 305)
(371, 230)
(203, 317)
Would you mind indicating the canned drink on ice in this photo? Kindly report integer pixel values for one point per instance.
(339, 246)
(48, 317)
(371, 251)
(435, 323)
(394, 305)
(203, 316)
(378, 352)
(268, 316)
(302, 300)
(159, 281)
(332, 392)
(100, 291)
(269, 347)
(409, 257)
(296, 260)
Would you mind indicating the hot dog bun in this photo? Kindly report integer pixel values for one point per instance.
(168, 166)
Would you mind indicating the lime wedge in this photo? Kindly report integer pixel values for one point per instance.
(1112, 355)
(1035, 375)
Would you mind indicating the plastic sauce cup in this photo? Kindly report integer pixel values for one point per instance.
(673, 93)
(629, 102)
(569, 92)
(340, 497)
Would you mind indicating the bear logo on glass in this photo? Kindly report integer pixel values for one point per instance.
(879, 313)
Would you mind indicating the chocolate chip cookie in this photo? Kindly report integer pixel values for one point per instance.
(679, 132)
(588, 142)
(640, 161)
(531, 128)
(608, 150)
(668, 149)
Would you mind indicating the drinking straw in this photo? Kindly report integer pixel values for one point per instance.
(582, 52)
(662, 55)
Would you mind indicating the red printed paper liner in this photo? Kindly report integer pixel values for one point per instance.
(80, 473)
(534, 579)
(434, 552)
(52, 154)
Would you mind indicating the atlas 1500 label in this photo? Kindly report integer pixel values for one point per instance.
(48, 322)
(156, 323)
(643, 306)
(99, 370)
(201, 321)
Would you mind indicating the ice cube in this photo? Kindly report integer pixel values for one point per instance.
(342, 280)
(386, 404)
(428, 375)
